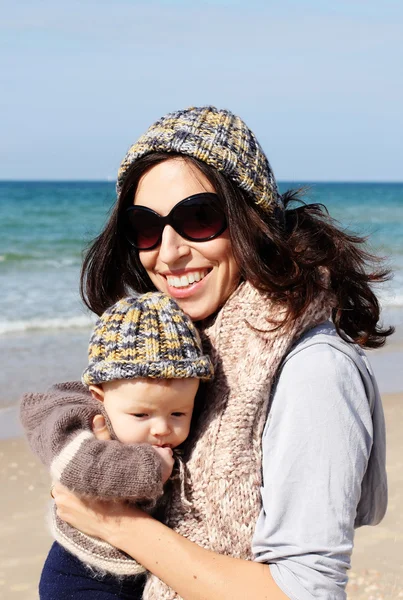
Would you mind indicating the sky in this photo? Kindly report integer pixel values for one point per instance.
(320, 83)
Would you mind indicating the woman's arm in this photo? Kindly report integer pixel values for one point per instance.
(193, 572)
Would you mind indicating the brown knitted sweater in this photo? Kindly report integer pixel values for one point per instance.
(58, 427)
(223, 463)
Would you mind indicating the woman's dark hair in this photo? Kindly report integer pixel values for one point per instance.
(280, 254)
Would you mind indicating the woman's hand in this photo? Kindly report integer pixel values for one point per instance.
(101, 519)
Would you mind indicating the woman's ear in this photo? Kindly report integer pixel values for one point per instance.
(97, 392)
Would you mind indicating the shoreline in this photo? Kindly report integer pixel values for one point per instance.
(33, 361)
(376, 572)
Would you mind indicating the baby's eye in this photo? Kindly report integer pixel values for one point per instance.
(140, 415)
(178, 414)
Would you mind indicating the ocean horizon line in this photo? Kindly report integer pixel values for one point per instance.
(280, 181)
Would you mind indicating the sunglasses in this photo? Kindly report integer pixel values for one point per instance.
(198, 218)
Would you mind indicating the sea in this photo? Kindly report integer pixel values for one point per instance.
(45, 227)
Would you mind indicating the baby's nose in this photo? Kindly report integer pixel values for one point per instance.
(161, 427)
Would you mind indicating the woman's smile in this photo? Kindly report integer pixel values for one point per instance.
(186, 278)
(186, 283)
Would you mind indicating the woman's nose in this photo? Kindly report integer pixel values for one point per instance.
(173, 246)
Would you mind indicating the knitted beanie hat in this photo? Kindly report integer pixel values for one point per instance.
(216, 137)
(145, 336)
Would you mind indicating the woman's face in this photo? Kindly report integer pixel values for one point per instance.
(200, 276)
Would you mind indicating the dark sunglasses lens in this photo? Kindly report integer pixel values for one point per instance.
(145, 229)
(199, 220)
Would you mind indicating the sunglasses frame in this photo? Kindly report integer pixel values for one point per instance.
(170, 220)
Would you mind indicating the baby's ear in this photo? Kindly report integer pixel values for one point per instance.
(97, 392)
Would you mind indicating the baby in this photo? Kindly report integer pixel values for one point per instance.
(145, 365)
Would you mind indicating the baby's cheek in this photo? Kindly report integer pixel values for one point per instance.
(121, 427)
(184, 432)
(133, 431)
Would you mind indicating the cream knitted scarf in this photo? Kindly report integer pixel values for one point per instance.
(218, 505)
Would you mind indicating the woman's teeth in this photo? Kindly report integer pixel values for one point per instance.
(185, 280)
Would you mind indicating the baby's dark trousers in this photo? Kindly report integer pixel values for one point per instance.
(65, 577)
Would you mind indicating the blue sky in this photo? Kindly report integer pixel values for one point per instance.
(319, 82)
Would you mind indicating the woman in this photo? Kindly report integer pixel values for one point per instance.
(288, 453)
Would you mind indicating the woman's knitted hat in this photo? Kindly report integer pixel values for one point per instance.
(216, 137)
(145, 336)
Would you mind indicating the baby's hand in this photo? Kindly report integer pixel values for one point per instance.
(100, 429)
(167, 461)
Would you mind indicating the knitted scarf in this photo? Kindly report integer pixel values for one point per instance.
(218, 504)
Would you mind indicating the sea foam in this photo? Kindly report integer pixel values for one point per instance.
(77, 322)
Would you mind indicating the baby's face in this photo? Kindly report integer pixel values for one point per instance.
(155, 411)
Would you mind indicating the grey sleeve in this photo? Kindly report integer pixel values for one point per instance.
(316, 447)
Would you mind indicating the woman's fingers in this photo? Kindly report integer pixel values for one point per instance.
(74, 509)
(99, 428)
(93, 517)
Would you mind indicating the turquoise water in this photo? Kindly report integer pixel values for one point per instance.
(44, 228)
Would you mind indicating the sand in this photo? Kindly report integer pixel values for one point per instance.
(377, 565)
(24, 538)
(376, 573)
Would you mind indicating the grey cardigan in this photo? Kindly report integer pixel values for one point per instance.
(323, 465)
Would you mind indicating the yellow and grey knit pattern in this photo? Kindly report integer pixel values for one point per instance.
(145, 336)
(216, 137)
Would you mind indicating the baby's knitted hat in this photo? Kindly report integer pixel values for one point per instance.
(218, 138)
(145, 336)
